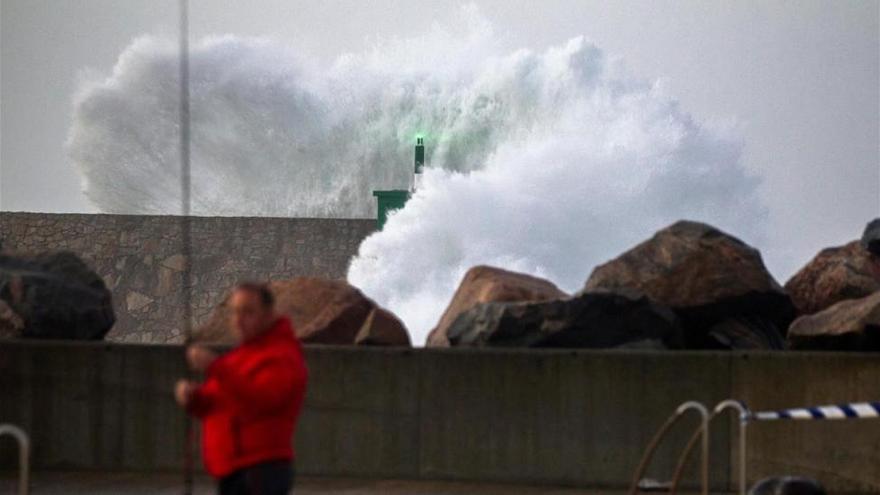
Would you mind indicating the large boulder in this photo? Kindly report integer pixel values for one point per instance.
(852, 325)
(484, 284)
(717, 284)
(834, 275)
(54, 296)
(590, 320)
(323, 311)
(382, 327)
(871, 237)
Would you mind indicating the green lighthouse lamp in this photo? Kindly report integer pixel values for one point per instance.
(394, 199)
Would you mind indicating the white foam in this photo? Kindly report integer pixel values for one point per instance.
(546, 162)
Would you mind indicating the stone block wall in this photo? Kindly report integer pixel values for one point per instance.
(141, 258)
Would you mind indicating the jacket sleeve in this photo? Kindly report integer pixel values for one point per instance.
(266, 386)
(203, 400)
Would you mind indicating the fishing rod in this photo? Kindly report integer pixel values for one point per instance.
(186, 229)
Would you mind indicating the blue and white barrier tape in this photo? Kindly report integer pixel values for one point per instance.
(855, 410)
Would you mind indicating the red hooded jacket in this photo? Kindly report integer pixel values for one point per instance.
(250, 401)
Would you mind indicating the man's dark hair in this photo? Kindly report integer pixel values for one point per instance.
(260, 289)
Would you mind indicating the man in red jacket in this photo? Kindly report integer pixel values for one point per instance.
(251, 398)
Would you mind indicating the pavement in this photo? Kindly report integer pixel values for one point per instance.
(94, 483)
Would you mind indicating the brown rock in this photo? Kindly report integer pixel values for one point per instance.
(484, 284)
(834, 275)
(852, 325)
(382, 328)
(717, 284)
(323, 311)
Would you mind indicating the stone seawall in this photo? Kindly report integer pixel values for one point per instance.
(140, 258)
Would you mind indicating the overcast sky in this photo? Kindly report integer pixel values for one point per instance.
(802, 79)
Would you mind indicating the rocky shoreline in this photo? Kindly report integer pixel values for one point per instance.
(690, 286)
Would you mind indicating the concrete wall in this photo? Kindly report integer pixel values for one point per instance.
(140, 258)
(561, 417)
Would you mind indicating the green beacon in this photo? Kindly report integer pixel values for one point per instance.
(394, 199)
(419, 165)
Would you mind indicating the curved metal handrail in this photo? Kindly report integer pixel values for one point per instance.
(744, 415)
(24, 455)
(655, 442)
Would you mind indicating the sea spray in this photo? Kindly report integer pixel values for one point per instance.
(546, 162)
(599, 163)
(276, 135)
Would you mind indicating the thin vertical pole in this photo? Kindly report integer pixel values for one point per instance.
(184, 116)
(185, 187)
(186, 228)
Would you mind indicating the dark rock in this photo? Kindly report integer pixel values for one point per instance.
(323, 311)
(717, 284)
(835, 274)
(787, 485)
(871, 237)
(484, 284)
(591, 320)
(852, 325)
(56, 296)
(746, 332)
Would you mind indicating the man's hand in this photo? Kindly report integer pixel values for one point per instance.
(199, 357)
(183, 392)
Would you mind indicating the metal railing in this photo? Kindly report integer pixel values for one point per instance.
(702, 431)
(24, 455)
(848, 411)
(722, 406)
